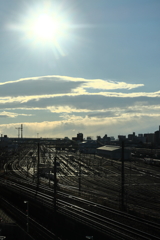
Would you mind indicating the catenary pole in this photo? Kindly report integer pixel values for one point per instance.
(122, 177)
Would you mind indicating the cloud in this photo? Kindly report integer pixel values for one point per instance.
(89, 126)
(62, 94)
(110, 85)
(105, 114)
(80, 103)
(91, 105)
(75, 104)
(49, 85)
(36, 86)
(5, 114)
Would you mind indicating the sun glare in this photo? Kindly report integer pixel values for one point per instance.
(46, 27)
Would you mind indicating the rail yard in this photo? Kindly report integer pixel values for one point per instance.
(85, 188)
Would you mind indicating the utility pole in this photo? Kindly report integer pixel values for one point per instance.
(55, 184)
(18, 132)
(122, 177)
(38, 165)
(34, 163)
(79, 175)
(21, 130)
(27, 167)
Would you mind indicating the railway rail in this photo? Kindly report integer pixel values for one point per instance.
(93, 182)
(89, 213)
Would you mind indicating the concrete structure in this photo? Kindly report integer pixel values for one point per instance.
(113, 152)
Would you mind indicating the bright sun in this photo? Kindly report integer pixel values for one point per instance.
(46, 28)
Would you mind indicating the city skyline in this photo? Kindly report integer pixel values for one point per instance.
(84, 66)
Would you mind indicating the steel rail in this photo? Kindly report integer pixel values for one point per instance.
(98, 207)
(98, 221)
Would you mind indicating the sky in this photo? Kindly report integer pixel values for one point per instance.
(84, 66)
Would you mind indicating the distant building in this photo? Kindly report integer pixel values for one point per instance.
(103, 141)
(88, 146)
(98, 137)
(121, 137)
(89, 138)
(113, 152)
(157, 137)
(112, 138)
(78, 138)
(136, 140)
(141, 139)
(66, 138)
(140, 135)
(131, 136)
(106, 138)
(149, 137)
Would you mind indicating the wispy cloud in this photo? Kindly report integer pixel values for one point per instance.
(108, 85)
(5, 114)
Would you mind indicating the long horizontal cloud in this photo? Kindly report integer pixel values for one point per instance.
(68, 94)
(58, 85)
(90, 102)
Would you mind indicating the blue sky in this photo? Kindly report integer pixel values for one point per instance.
(97, 74)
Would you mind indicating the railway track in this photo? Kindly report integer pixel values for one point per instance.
(67, 203)
(72, 207)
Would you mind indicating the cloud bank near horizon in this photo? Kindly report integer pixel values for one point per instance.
(76, 104)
